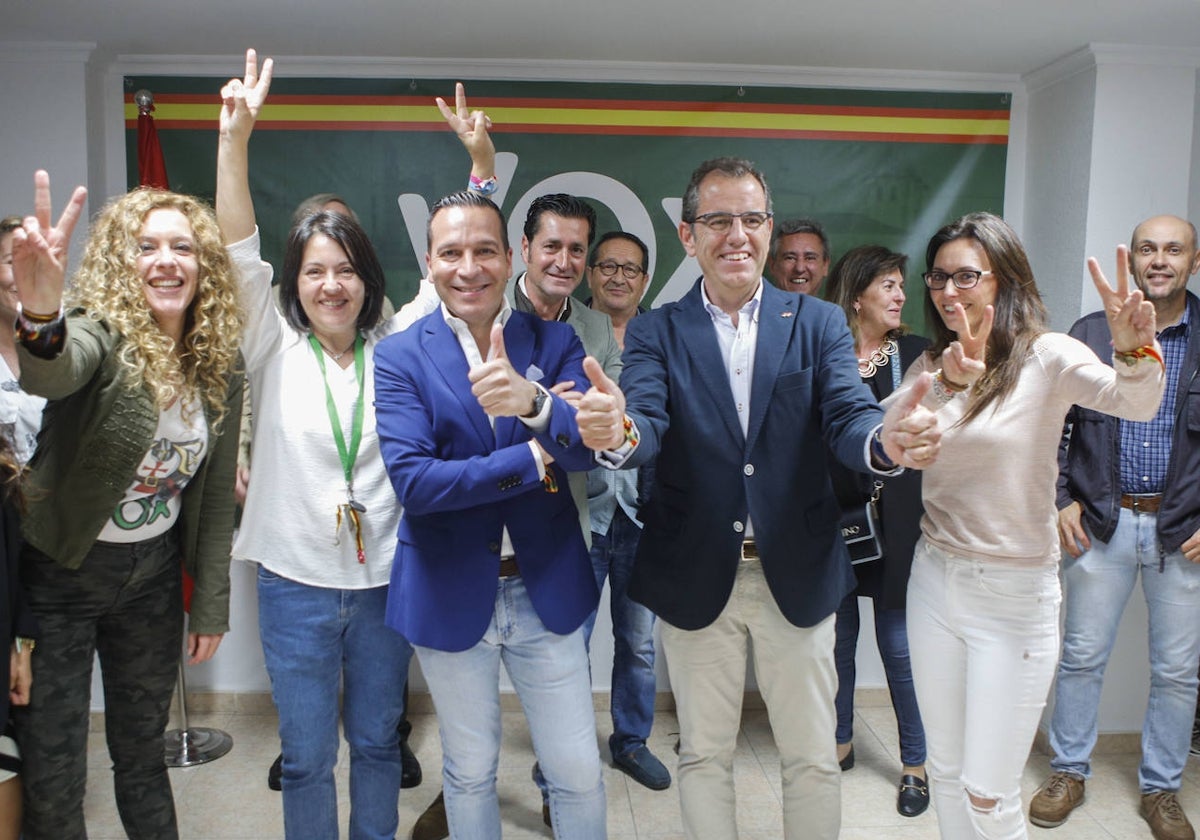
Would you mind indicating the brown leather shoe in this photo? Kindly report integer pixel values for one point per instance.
(1054, 801)
(1165, 816)
(432, 824)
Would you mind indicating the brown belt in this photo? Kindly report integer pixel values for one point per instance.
(508, 567)
(749, 550)
(1142, 502)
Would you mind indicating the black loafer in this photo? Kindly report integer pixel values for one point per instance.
(913, 798)
(410, 768)
(275, 774)
(847, 763)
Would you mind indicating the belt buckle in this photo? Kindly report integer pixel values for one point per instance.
(749, 550)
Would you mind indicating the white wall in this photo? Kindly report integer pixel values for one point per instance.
(44, 124)
(1112, 141)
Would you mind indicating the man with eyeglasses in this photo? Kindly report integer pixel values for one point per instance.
(1129, 505)
(618, 278)
(740, 392)
(799, 257)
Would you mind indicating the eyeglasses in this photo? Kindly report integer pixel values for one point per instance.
(722, 222)
(631, 271)
(965, 279)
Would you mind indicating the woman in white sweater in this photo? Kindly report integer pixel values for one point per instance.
(320, 515)
(983, 599)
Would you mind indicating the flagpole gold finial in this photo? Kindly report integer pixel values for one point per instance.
(144, 100)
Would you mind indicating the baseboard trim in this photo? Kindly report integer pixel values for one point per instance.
(421, 703)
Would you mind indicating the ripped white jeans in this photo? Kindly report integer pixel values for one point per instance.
(984, 641)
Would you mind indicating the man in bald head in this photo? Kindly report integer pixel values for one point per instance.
(1129, 506)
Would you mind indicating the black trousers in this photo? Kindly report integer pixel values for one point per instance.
(124, 603)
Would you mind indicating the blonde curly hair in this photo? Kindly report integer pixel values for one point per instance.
(109, 288)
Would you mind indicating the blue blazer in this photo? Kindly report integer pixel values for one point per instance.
(806, 402)
(461, 483)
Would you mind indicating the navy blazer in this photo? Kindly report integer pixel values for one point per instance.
(806, 401)
(461, 483)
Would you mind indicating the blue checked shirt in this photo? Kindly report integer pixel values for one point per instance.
(1146, 447)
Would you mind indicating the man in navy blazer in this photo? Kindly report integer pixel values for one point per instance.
(491, 564)
(742, 391)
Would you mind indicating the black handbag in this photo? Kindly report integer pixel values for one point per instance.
(861, 529)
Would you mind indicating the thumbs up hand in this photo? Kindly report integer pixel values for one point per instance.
(601, 415)
(911, 437)
(500, 390)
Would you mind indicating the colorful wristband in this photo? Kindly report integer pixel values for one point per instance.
(483, 186)
(1131, 357)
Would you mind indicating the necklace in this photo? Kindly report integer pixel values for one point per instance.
(878, 358)
(337, 357)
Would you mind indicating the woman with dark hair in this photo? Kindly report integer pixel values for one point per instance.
(320, 516)
(868, 284)
(134, 470)
(18, 635)
(983, 596)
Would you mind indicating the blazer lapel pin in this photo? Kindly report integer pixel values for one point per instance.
(785, 314)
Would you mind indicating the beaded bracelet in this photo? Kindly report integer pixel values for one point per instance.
(1131, 357)
(945, 390)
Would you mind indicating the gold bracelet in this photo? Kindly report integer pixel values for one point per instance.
(23, 643)
(952, 387)
(37, 317)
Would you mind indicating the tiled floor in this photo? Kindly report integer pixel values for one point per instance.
(229, 798)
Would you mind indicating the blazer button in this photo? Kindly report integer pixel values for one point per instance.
(563, 441)
(739, 527)
(748, 469)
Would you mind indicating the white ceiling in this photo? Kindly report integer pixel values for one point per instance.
(956, 36)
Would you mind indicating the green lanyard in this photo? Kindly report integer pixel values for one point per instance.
(347, 456)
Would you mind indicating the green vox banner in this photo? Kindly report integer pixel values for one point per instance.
(885, 167)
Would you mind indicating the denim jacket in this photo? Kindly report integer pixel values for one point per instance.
(1089, 458)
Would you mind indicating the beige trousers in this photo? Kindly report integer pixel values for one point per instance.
(795, 670)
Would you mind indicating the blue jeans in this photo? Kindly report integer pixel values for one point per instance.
(550, 674)
(1098, 585)
(314, 639)
(892, 638)
(633, 636)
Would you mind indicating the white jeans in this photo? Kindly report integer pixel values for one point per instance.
(984, 641)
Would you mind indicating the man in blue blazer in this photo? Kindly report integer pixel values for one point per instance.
(491, 564)
(741, 391)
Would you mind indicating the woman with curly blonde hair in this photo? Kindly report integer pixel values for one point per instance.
(136, 451)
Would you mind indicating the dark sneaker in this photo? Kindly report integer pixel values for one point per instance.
(644, 768)
(1054, 801)
(275, 774)
(432, 824)
(1167, 821)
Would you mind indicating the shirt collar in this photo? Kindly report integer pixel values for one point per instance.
(459, 326)
(1181, 327)
(749, 309)
(563, 314)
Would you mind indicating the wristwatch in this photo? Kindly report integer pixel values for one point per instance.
(23, 644)
(539, 401)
